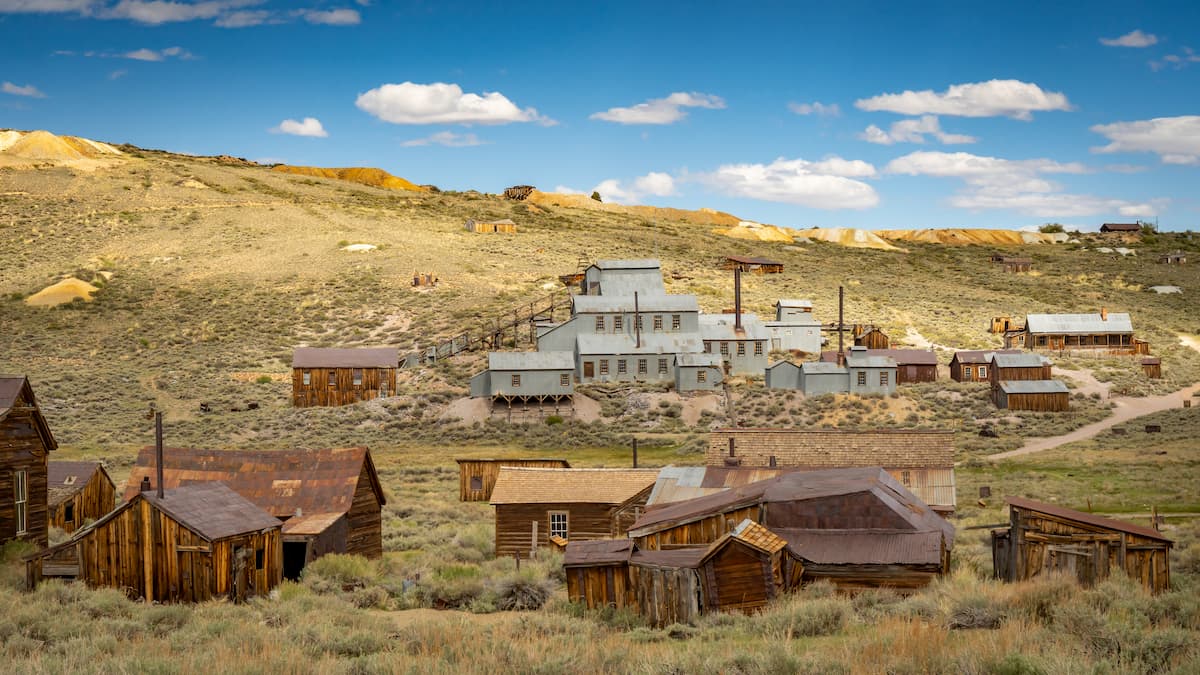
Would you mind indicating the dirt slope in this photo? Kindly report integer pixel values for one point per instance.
(967, 237)
(849, 237)
(578, 201)
(363, 175)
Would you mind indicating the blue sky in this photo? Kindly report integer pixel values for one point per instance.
(877, 115)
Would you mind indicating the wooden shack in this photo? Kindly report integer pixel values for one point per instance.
(330, 500)
(912, 365)
(922, 461)
(194, 543)
(870, 337)
(667, 587)
(1173, 258)
(1152, 367)
(576, 504)
(747, 568)
(78, 492)
(1002, 324)
(975, 365)
(477, 477)
(1012, 365)
(1012, 264)
(331, 377)
(860, 559)
(1044, 538)
(1121, 228)
(504, 225)
(753, 265)
(1036, 395)
(25, 444)
(1103, 332)
(597, 572)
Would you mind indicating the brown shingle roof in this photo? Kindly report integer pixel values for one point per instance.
(360, 357)
(527, 485)
(597, 552)
(1080, 516)
(310, 523)
(894, 449)
(64, 479)
(278, 481)
(865, 547)
(10, 390)
(212, 510)
(758, 536)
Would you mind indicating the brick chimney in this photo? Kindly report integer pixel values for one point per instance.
(145, 486)
(1104, 314)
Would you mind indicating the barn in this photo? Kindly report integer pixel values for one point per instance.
(190, 544)
(533, 505)
(1037, 395)
(974, 365)
(78, 492)
(912, 365)
(25, 444)
(330, 500)
(332, 377)
(477, 477)
(1045, 538)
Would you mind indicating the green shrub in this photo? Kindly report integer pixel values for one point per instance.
(975, 611)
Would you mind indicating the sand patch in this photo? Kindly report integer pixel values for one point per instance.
(586, 409)
(359, 248)
(467, 410)
(191, 183)
(61, 293)
(8, 137)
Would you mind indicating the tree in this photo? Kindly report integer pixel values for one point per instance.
(596, 196)
(1051, 228)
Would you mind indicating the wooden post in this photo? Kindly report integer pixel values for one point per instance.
(635, 452)
(158, 452)
(517, 557)
(533, 542)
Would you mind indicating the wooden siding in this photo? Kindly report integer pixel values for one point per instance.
(1048, 402)
(906, 374)
(96, 499)
(600, 586)
(22, 448)
(376, 382)
(584, 521)
(958, 374)
(365, 518)
(998, 375)
(703, 531)
(872, 339)
(1111, 343)
(488, 469)
(738, 577)
(859, 577)
(1152, 370)
(667, 595)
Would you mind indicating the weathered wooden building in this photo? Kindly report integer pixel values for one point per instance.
(1007, 367)
(78, 492)
(751, 264)
(195, 543)
(667, 587)
(1045, 538)
(860, 559)
(680, 483)
(1152, 367)
(870, 337)
(477, 477)
(912, 365)
(975, 365)
(747, 568)
(25, 444)
(504, 225)
(1036, 395)
(533, 505)
(1002, 324)
(1012, 264)
(1121, 228)
(1105, 332)
(597, 572)
(1173, 258)
(922, 461)
(331, 377)
(330, 500)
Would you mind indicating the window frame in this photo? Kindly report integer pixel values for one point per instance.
(21, 501)
(618, 323)
(658, 323)
(884, 379)
(724, 348)
(676, 321)
(983, 372)
(663, 368)
(356, 377)
(702, 375)
(741, 348)
(862, 378)
(643, 367)
(603, 366)
(516, 380)
(622, 366)
(758, 347)
(476, 483)
(600, 324)
(969, 372)
(333, 379)
(565, 530)
(306, 378)
(564, 380)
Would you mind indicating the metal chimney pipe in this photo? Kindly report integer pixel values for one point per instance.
(637, 320)
(841, 355)
(635, 453)
(737, 299)
(731, 446)
(158, 452)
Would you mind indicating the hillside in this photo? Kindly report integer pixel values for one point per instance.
(363, 175)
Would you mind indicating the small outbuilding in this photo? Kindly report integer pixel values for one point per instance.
(861, 559)
(25, 445)
(79, 492)
(504, 225)
(754, 265)
(1012, 264)
(1173, 258)
(1036, 395)
(1121, 228)
(332, 377)
(1007, 366)
(794, 328)
(597, 572)
(1152, 367)
(975, 365)
(870, 337)
(477, 477)
(527, 378)
(783, 375)
(912, 365)
(1045, 538)
(698, 372)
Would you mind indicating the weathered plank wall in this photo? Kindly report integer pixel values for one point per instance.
(1048, 402)
(666, 595)
(22, 449)
(514, 526)
(600, 586)
(703, 531)
(738, 578)
(343, 391)
(97, 498)
(365, 518)
(487, 470)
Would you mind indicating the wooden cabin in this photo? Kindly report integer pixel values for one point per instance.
(1008, 366)
(78, 492)
(870, 337)
(1173, 258)
(1152, 367)
(975, 365)
(25, 444)
(504, 225)
(922, 461)
(1103, 332)
(195, 543)
(477, 477)
(861, 559)
(331, 377)
(576, 504)
(597, 573)
(746, 569)
(754, 265)
(1012, 264)
(1121, 228)
(1002, 324)
(1036, 395)
(330, 500)
(912, 365)
(1044, 538)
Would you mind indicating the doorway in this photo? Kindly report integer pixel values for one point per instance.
(295, 555)
(589, 370)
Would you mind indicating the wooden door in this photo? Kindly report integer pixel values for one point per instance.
(1072, 560)
(589, 369)
(242, 569)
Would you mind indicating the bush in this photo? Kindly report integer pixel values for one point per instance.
(521, 594)
(803, 617)
(975, 611)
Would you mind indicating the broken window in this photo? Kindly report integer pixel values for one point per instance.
(559, 525)
(476, 482)
(883, 379)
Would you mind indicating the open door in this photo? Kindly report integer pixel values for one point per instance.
(295, 555)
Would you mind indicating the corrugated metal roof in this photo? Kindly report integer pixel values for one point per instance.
(634, 264)
(528, 485)
(861, 359)
(1121, 227)
(597, 552)
(613, 304)
(646, 284)
(902, 357)
(981, 356)
(359, 357)
(602, 344)
(721, 327)
(778, 364)
(865, 547)
(691, 360)
(531, 361)
(689, 558)
(1078, 324)
(1090, 519)
(1033, 387)
(801, 304)
(680, 483)
(1019, 360)
(212, 510)
(822, 368)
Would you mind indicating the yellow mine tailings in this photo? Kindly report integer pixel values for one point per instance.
(966, 237)
(580, 201)
(61, 293)
(363, 175)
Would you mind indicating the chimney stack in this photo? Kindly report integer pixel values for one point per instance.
(737, 299)
(841, 354)
(145, 487)
(637, 320)
(731, 446)
(1104, 314)
(158, 452)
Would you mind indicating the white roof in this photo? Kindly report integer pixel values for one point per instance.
(652, 343)
(721, 327)
(1079, 323)
(794, 303)
(693, 360)
(612, 304)
(531, 361)
(638, 264)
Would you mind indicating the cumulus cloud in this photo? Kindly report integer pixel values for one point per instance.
(28, 90)
(156, 12)
(159, 55)
(441, 103)
(45, 6)
(332, 17)
(244, 19)
(1134, 38)
(827, 184)
(309, 126)
(448, 139)
(1019, 185)
(661, 110)
(653, 184)
(913, 131)
(815, 108)
(1176, 140)
(223, 13)
(1183, 59)
(994, 98)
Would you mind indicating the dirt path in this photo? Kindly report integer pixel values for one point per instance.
(1085, 381)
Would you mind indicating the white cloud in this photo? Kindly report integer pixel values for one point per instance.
(828, 184)
(653, 184)
(1019, 185)
(45, 6)
(1176, 140)
(441, 103)
(332, 17)
(309, 126)
(244, 19)
(1011, 98)
(1183, 59)
(28, 90)
(913, 131)
(152, 55)
(446, 138)
(223, 13)
(156, 12)
(661, 110)
(815, 108)
(1132, 39)
(117, 74)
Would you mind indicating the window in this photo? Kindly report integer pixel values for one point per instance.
(662, 366)
(906, 478)
(620, 366)
(564, 380)
(968, 372)
(332, 380)
(862, 378)
(1041, 340)
(642, 367)
(357, 377)
(658, 324)
(707, 347)
(741, 348)
(476, 483)
(702, 375)
(758, 347)
(637, 321)
(724, 348)
(21, 499)
(603, 366)
(307, 377)
(676, 321)
(558, 524)
(259, 558)
(516, 380)
(618, 323)
(883, 379)
(599, 324)
(982, 372)
(69, 512)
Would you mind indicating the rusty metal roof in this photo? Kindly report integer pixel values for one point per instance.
(64, 479)
(980, 356)
(832, 448)
(279, 481)
(517, 461)
(679, 483)
(865, 547)
(902, 357)
(747, 260)
(359, 357)
(530, 485)
(212, 510)
(597, 552)
(310, 523)
(1087, 518)
(690, 557)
